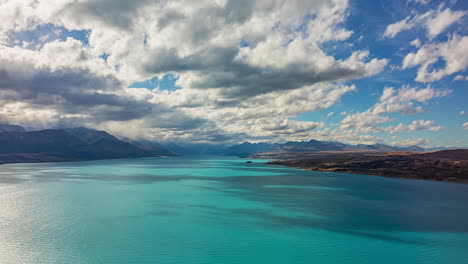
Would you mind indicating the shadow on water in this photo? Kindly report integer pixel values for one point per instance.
(281, 222)
(359, 205)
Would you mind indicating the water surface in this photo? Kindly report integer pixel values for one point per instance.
(222, 210)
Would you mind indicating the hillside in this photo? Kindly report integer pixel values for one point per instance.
(151, 146)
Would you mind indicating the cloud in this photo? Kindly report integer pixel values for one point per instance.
(246, 69)
(262, 116)
(200, 42)
(404, 101)
(452, 52)
(402, 25)
(413, 142)
(364, 121)
(462, 112)
(460, 78)
(442, 20)
(423, 2)
(346, 136)
(63, 85)
(465, 125)
(435, 22)
(414, 126)
(416, 43)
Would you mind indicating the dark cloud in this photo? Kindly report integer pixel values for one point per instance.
(203, 39)
(219, 70)
(72, 91)
(114, 13)
(94, 98)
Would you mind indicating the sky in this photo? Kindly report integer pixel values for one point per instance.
(229, 71)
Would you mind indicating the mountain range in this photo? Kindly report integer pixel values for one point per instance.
(67, 144)
(294, 148)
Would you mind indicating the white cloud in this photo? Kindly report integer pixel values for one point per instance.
(452, 52)
(330, 114)
(416, 43)
(462, 112)
(465, 125)
(435, 22)
(460, 78)
(424, 2)
(442, 20)
(413, 142)
(403, 101)
(262, 115)
(402, 25)
(414, 126)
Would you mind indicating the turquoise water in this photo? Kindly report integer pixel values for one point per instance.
(222, 210)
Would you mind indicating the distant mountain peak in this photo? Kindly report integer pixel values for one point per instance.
(11, 128)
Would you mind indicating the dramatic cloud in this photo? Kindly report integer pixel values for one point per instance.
(63, 85)
(242, 70)
(245, 67)
(242, 48)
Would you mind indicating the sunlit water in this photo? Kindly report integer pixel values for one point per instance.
(222, 210)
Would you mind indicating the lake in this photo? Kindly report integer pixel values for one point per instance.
(223, 210)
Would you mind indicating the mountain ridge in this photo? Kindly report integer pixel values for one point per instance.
(11, 128)
(311, 146)
(68, 144)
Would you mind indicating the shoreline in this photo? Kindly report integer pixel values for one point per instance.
(458, 181)
(64, 160)
(421, 167)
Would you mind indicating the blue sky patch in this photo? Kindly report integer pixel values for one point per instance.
(42, 34)
(168, 82)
